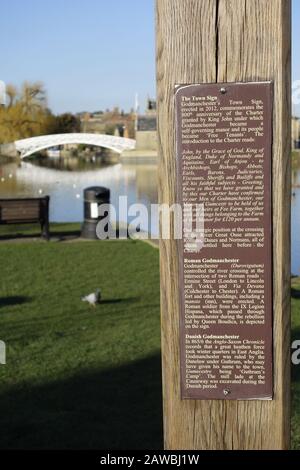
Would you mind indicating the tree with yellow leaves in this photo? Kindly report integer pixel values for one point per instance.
(26, 114)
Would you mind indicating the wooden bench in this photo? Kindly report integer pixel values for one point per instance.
(26, 211)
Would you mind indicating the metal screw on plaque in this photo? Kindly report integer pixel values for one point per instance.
(223, 91)
(226, 392)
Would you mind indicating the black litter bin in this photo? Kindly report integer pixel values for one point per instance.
(93, 198)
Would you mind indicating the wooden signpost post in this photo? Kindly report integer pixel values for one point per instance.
(223, 92)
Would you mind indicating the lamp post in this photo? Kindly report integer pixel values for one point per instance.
(2, 93)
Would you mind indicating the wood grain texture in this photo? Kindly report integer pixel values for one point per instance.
(202, 41)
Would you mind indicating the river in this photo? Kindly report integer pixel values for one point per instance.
(65, 179)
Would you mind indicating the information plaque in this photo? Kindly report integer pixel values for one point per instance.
(224, 151)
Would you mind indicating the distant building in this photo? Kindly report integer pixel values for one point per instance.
(146, 129)
(108, 122)
(295, 133)
(141, 127)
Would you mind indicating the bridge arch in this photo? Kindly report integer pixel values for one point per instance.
(27, 147)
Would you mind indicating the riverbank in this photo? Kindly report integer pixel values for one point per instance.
(59, 232)
(32, 232)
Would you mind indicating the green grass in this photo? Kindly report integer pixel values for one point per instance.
(78, 377)
(296, 368)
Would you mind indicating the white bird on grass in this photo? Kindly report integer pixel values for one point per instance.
(93, 299)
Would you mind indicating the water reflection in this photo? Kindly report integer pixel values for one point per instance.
(70, 163)
(65, 180)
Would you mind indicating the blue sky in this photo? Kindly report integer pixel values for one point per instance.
(91, 54)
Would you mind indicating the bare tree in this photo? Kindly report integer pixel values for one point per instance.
(11, 92)
(33, 97)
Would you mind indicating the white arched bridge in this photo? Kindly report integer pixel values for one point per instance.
(27, 147)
